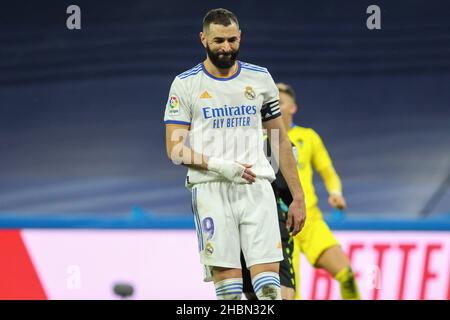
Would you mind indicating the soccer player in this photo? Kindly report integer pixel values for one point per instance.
(220, 108)
(316, 240)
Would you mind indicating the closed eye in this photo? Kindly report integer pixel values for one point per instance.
(220, 40)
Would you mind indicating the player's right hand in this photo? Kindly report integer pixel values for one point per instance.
(337, 201)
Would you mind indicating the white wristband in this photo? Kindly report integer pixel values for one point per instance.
(230, 170)
(215, 165)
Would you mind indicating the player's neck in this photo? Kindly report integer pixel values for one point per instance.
(218, 72)
(287, 122)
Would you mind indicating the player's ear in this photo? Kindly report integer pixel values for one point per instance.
(203, 38)
(294, 108)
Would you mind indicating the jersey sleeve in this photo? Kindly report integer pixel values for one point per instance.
(178, 109)
(270, 108)
(320, 157)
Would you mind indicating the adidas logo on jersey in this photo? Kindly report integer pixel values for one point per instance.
(205, 95)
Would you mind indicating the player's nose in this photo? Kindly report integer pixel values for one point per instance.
(226, 47)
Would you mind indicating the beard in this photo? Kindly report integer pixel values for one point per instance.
(222, 60)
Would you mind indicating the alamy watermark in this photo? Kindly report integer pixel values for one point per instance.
(73, 280)
(73, 21)
(373, 22)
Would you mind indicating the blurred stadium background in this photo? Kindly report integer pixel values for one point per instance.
(88, 198)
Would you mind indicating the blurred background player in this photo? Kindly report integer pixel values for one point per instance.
(316, 240)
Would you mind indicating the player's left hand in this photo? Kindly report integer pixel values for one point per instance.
(337, 201)
(296, 216)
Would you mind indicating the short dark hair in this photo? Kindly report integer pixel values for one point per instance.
(220, 16)
(283, 87)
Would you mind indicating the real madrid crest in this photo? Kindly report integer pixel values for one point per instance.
(249, 93)
(209, 249)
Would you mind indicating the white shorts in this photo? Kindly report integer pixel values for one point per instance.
(230, 217)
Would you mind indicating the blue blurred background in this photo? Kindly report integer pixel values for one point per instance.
(81, 131)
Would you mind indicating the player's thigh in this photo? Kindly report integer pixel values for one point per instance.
(219, 273)
(217, 229)
(259, 227)
(264, 267)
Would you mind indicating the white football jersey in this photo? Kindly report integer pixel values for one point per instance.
(225, 116)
